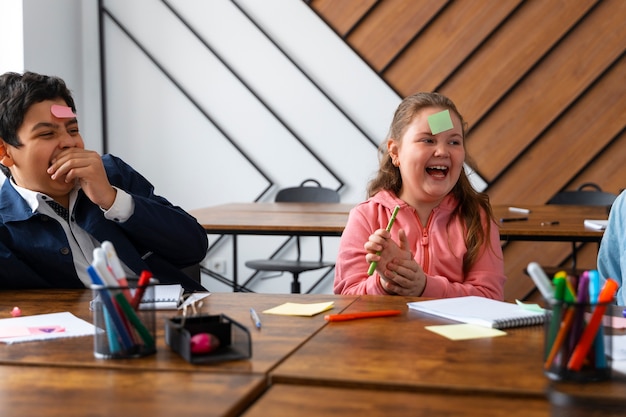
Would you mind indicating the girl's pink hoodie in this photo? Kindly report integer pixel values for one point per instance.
(438, 249)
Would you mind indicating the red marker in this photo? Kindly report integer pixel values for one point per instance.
(362, 315)
(144, 280)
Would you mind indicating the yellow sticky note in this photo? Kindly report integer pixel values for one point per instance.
(440, 122)
(298, 309)
(464, 331)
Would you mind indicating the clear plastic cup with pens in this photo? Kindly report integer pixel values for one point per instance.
(577, 341)
(125, 327)
(578, 329)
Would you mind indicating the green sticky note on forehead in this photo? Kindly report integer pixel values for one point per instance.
(440, 122)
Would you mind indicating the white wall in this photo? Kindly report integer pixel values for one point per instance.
(61, 38)
(11, 28)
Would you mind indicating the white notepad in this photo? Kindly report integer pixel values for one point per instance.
(481, 311)
(166, 297)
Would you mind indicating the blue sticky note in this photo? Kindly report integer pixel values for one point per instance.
(440, 122)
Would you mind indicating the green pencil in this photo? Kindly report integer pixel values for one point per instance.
(389, 225)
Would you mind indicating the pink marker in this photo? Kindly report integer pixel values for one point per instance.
(16, 312)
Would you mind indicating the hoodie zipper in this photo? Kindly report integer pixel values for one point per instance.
(424, 242)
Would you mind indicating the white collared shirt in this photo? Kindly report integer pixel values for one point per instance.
(82, 243)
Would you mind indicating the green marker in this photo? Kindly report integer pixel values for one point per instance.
(440, 122)
(389, 225)
(555, 320)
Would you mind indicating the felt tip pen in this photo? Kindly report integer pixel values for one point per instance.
(580, 352)
(513, 219)
(144, 280)
(255, 318)
(552, 223)
(541, 280)
(519, 210)
(362, 315)
(373, 264)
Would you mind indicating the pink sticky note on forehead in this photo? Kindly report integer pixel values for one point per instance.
(61, 112)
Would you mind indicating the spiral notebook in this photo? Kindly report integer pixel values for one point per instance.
(166, 297)
(480, 311)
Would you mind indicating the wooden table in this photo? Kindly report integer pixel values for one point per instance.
(301, 219)
(327, 219)
(570, 228)
(330, 220)
(399, 354)
(283, 400)
(53, 391)
(300, 366)
(306, 219)
(280, 335)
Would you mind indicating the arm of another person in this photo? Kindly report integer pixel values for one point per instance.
(157, 224)
(612, 253)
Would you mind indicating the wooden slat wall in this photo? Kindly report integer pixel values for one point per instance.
(542, 84)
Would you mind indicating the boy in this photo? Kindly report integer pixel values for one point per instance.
(60, 200)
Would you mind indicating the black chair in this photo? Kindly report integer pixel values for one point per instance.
(301, 194)
(587, 194)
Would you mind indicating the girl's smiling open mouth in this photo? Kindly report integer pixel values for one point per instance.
(438, 171)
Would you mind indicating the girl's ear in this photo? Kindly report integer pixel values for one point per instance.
(392, 149)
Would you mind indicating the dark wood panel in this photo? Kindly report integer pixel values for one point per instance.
(569, 145)
(517, 256)
(607, 168)
(377, 43)
(510, 53)
(552, 86)
(446, 43)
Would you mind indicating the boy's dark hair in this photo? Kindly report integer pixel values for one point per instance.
(18, 92)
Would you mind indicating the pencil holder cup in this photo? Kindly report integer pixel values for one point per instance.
(124, 327)
(577, 342)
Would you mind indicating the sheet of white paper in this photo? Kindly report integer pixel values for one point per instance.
(71, 326)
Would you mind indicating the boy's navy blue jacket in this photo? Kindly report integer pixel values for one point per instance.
(35, 253)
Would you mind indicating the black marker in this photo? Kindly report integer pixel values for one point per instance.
(552, 223)
(513, 219)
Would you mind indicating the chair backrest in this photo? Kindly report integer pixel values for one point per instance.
(583, 197)
(307, 194)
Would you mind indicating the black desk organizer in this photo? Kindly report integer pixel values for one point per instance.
(234, 338)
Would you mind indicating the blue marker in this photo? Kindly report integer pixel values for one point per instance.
(109, 307)
(255, 318)
(598, 343)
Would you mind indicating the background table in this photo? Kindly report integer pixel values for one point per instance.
(306, 219)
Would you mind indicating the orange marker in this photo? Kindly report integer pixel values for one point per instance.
(582, 348)
(568, 318)
(362, 315)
